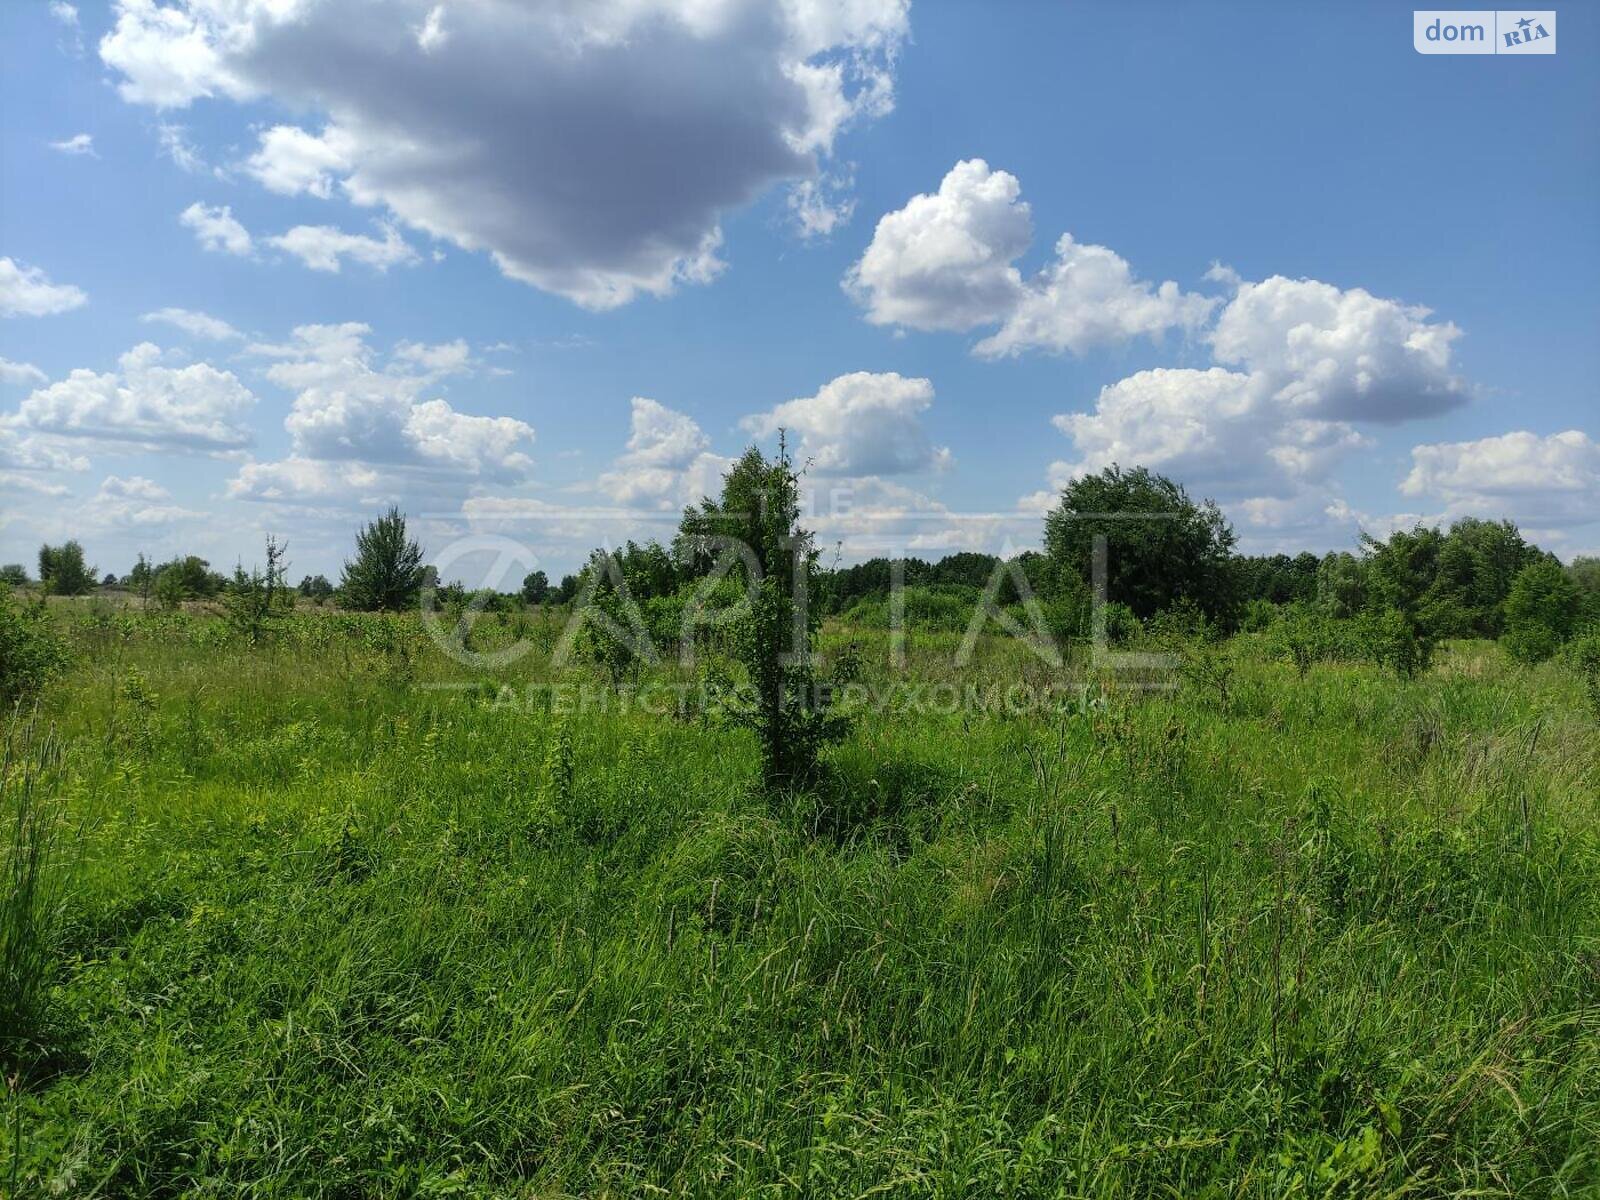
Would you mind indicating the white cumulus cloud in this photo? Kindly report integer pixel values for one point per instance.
(948, 261)
(863, 423)
(144, 404)
(667, 464)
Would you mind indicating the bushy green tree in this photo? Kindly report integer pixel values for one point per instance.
(14, 575)
(316, 588)
(1541, 611)
(386, 573)
(62, 570)
(1161, 545)
(535, 587)
(1392, 639)
(1341, 584)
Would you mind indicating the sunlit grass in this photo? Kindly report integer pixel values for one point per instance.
(335, 933)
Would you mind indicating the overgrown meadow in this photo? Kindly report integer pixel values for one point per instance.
(301, 921)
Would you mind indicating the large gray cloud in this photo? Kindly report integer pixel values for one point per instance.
(589, 147)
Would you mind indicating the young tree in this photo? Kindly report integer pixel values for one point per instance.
(754, 531)
(255, 598)
(63, 571)
(387, 572)
(1161, 545)
(141, 579)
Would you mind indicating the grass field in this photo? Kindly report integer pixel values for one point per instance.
(328, 930)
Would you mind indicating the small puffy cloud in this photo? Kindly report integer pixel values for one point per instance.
(948, 261)
(667, 463)
(216, 229)
(66, 13)
(20, 373)
(145, 404)
(1340, 353)
(945, 261)
(196, 324)
(323, 248)
(859, 424)
(291, 161)
(1552, 480)
(501, 127)
(78, 143)
(28, 292)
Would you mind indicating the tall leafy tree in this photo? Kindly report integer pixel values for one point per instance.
(1161, 545)
(386, 573)
(63, 571)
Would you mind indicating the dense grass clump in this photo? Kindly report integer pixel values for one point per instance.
(350, 922)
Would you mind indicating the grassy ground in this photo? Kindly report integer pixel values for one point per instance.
(335, 932)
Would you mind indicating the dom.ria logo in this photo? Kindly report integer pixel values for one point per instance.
(1484, 31)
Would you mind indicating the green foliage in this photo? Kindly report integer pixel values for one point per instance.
(256, 599)
(316, 588)
(14, 575)
(755, 532)
(1161, 546)
(62, 570)
(1585, 656)
(535, 587)
(1393, 640)
(1308, 636)
(386, 574)
(1541, 611)
(32, 653)
(1342, 585)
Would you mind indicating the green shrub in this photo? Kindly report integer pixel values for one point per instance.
(1541, 611)
(1584, 654)
(31, 651)
(1391, 639)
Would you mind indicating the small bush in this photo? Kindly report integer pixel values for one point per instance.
(1541, 611)
(31, 651)
(1392, 640)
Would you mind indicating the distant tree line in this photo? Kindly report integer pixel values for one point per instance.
(1167, 557)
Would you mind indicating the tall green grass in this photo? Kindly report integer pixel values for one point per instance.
(340, 932)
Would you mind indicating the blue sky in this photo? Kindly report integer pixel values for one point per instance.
(597, 249)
